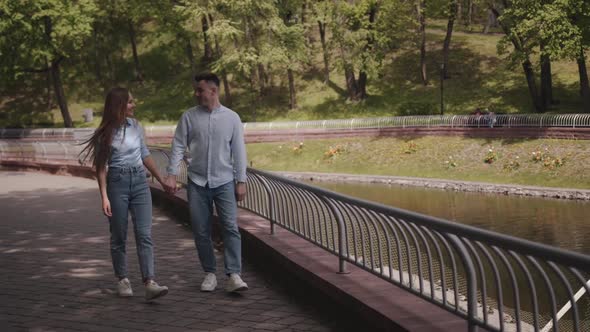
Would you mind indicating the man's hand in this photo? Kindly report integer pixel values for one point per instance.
(240, 191)
(169, 184)
(106, 207)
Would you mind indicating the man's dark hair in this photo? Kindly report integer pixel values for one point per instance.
(207, 77)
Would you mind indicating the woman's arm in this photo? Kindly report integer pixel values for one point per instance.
(101, 176)
(151, 166)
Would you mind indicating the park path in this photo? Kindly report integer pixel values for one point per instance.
(56, 274)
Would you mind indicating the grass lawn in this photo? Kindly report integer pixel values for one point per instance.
(562, 163)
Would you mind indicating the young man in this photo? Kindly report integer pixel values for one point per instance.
(214, 137)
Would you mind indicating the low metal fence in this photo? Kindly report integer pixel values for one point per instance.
(494, 281)
(427, 121)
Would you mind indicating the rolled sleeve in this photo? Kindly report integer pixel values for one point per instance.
(144, 149)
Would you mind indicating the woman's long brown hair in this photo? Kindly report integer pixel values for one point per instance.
(98, 147)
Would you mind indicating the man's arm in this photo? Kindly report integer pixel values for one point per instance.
(238, 148)
(179, 145)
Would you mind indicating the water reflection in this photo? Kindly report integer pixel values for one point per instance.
(561, 223)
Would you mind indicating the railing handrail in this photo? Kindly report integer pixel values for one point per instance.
(581, 120)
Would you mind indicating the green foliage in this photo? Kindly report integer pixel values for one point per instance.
(363, 43)
(33, 33)
(560, 25)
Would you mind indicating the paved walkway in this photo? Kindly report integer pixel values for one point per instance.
(56, 274)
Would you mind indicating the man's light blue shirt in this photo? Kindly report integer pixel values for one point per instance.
(128, 147)
(215, 141)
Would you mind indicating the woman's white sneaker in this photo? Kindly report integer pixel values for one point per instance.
(235, 283)
(124, 288)
(154, 291)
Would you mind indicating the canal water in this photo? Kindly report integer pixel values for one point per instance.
(561, 223)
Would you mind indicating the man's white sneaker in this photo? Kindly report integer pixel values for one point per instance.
(235, 283)
(124, 288)
(209, 283)
(154, 291)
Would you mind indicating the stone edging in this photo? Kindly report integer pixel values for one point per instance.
(482, 187)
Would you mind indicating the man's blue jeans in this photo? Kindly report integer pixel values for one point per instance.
(201, 201)
(128, 192)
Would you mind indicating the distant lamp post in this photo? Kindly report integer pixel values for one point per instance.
(442, 89)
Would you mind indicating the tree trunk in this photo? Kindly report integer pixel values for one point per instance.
(458, 10)
(470, 11)
(60, 95)
(361, 92)
(420, 6)
(532, 85)
(189, 53)
(362, 86)
(56, 78)
(447, 42)
(224, 79)
(292, 92)
(303, 12)
(351, 84)
(322, 27)
(110, 69)
(226, 88)
(48, 86)
(584, 85)
(546, 81)
(208, 53)
(490, 22)
(132, 37)
(262, 79)
(97, 69)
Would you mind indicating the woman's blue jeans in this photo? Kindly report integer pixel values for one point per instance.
(201, 201)
(128, 192)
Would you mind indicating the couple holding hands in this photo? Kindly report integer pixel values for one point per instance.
(213, 135)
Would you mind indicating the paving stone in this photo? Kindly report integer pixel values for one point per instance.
(57, 274)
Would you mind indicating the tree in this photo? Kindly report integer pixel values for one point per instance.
(514, 20)
(446, 45)
(559, 28)
(364, 32)
(174, 17)
(131, 14)
(322, 11)
(243, 29)
(420, 12)
(290, 37)
(40, 36)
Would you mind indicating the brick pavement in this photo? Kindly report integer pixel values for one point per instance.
(56, 275)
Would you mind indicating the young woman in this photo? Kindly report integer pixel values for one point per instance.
(118, 144)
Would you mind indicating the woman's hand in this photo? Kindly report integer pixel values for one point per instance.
(106, 207)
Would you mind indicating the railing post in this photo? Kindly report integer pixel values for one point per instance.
(342, 239)
(471, 281)
(271, 203)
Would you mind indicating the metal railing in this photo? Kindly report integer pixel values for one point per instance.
(494, 281)
(428, 121)
(454, 121)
